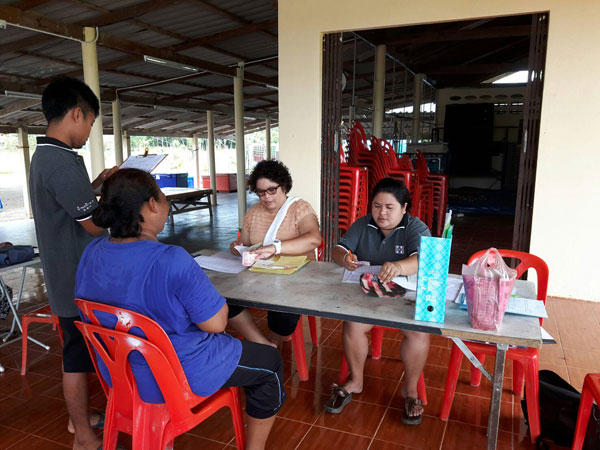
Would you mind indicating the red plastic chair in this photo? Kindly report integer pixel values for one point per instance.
(42, 315)
(525, 360)
(344, 369)
(153, 426)
(590, 392)
(298, 335)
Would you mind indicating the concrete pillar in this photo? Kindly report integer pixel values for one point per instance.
(92, 79)
(268, 138)
(127, 139)
(379, 91)
(238, 100)
(417, 100)
(210, 140)
(118, 133)
(197, 180)
(23, 145)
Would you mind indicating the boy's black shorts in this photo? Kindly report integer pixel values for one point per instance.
(76, 358)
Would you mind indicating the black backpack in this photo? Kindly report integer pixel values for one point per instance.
(15, 254)
(559, 404)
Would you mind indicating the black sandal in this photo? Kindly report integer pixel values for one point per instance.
(410, 405)
(340, 397)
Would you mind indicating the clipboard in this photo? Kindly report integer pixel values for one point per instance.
(147, 163)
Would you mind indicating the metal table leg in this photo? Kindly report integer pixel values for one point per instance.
(494, 419)
(16, 323)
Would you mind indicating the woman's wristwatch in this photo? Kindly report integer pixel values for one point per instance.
(277, 245)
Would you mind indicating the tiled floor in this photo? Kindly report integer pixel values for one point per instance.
(33, 414)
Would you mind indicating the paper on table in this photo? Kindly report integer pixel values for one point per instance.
(221, 262)
(547, 337)
(409, 283)
(526, 307)
(145, 163)
(353, 276)
(453, 289)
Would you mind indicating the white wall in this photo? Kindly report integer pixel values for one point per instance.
(566, 213)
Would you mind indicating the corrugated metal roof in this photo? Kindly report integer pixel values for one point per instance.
(180, 22)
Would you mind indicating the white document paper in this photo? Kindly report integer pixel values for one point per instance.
(221, 262)
(409, 283)
(353, 276)
(547, 337)
(454, 287)
(145, 163)
(526, 307)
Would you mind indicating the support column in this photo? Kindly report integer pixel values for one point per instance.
(23, 144)
(238, 100)
(127, 139)
(268, 138)
(92, 79)
(379, 91)
(197, 177)
(417, 96)
(117, 132)
(210, 140)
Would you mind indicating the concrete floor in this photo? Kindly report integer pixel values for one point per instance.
(193, 231)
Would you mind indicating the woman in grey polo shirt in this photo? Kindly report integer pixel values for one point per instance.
(389, 237)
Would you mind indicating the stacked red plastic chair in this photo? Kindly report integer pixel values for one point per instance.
(354, 198)
(152, 426)
(440, 191)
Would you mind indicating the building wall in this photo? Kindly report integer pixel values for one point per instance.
(566, 213)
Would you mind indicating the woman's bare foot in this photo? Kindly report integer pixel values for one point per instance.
(94, 419)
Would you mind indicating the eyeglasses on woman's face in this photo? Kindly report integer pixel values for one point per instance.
(270, 190)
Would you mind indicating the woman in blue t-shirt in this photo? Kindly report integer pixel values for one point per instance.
(132, 270)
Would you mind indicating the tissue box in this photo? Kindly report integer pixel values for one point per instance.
(434, 259)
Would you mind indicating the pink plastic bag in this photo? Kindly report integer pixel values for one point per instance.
(488, 285)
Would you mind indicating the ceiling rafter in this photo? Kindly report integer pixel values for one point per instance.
(15, 15)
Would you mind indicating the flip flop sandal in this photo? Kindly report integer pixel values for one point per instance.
(410, 404)
(340, 397)
(98, 425)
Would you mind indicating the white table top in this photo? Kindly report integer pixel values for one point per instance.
(317, 290)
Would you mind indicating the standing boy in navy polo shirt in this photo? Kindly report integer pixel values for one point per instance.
(63, 199)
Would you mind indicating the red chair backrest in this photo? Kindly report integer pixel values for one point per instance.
(527, 261)
(115, 345)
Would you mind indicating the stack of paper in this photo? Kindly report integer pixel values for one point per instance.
(283, 265)
(221, 262)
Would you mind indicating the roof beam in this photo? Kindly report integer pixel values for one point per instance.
(38, 22)
(18, 106)
(128, 12)
(477, 69)
(246, 29)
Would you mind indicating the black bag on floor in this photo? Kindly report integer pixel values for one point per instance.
(15, 254)
(559, 404)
